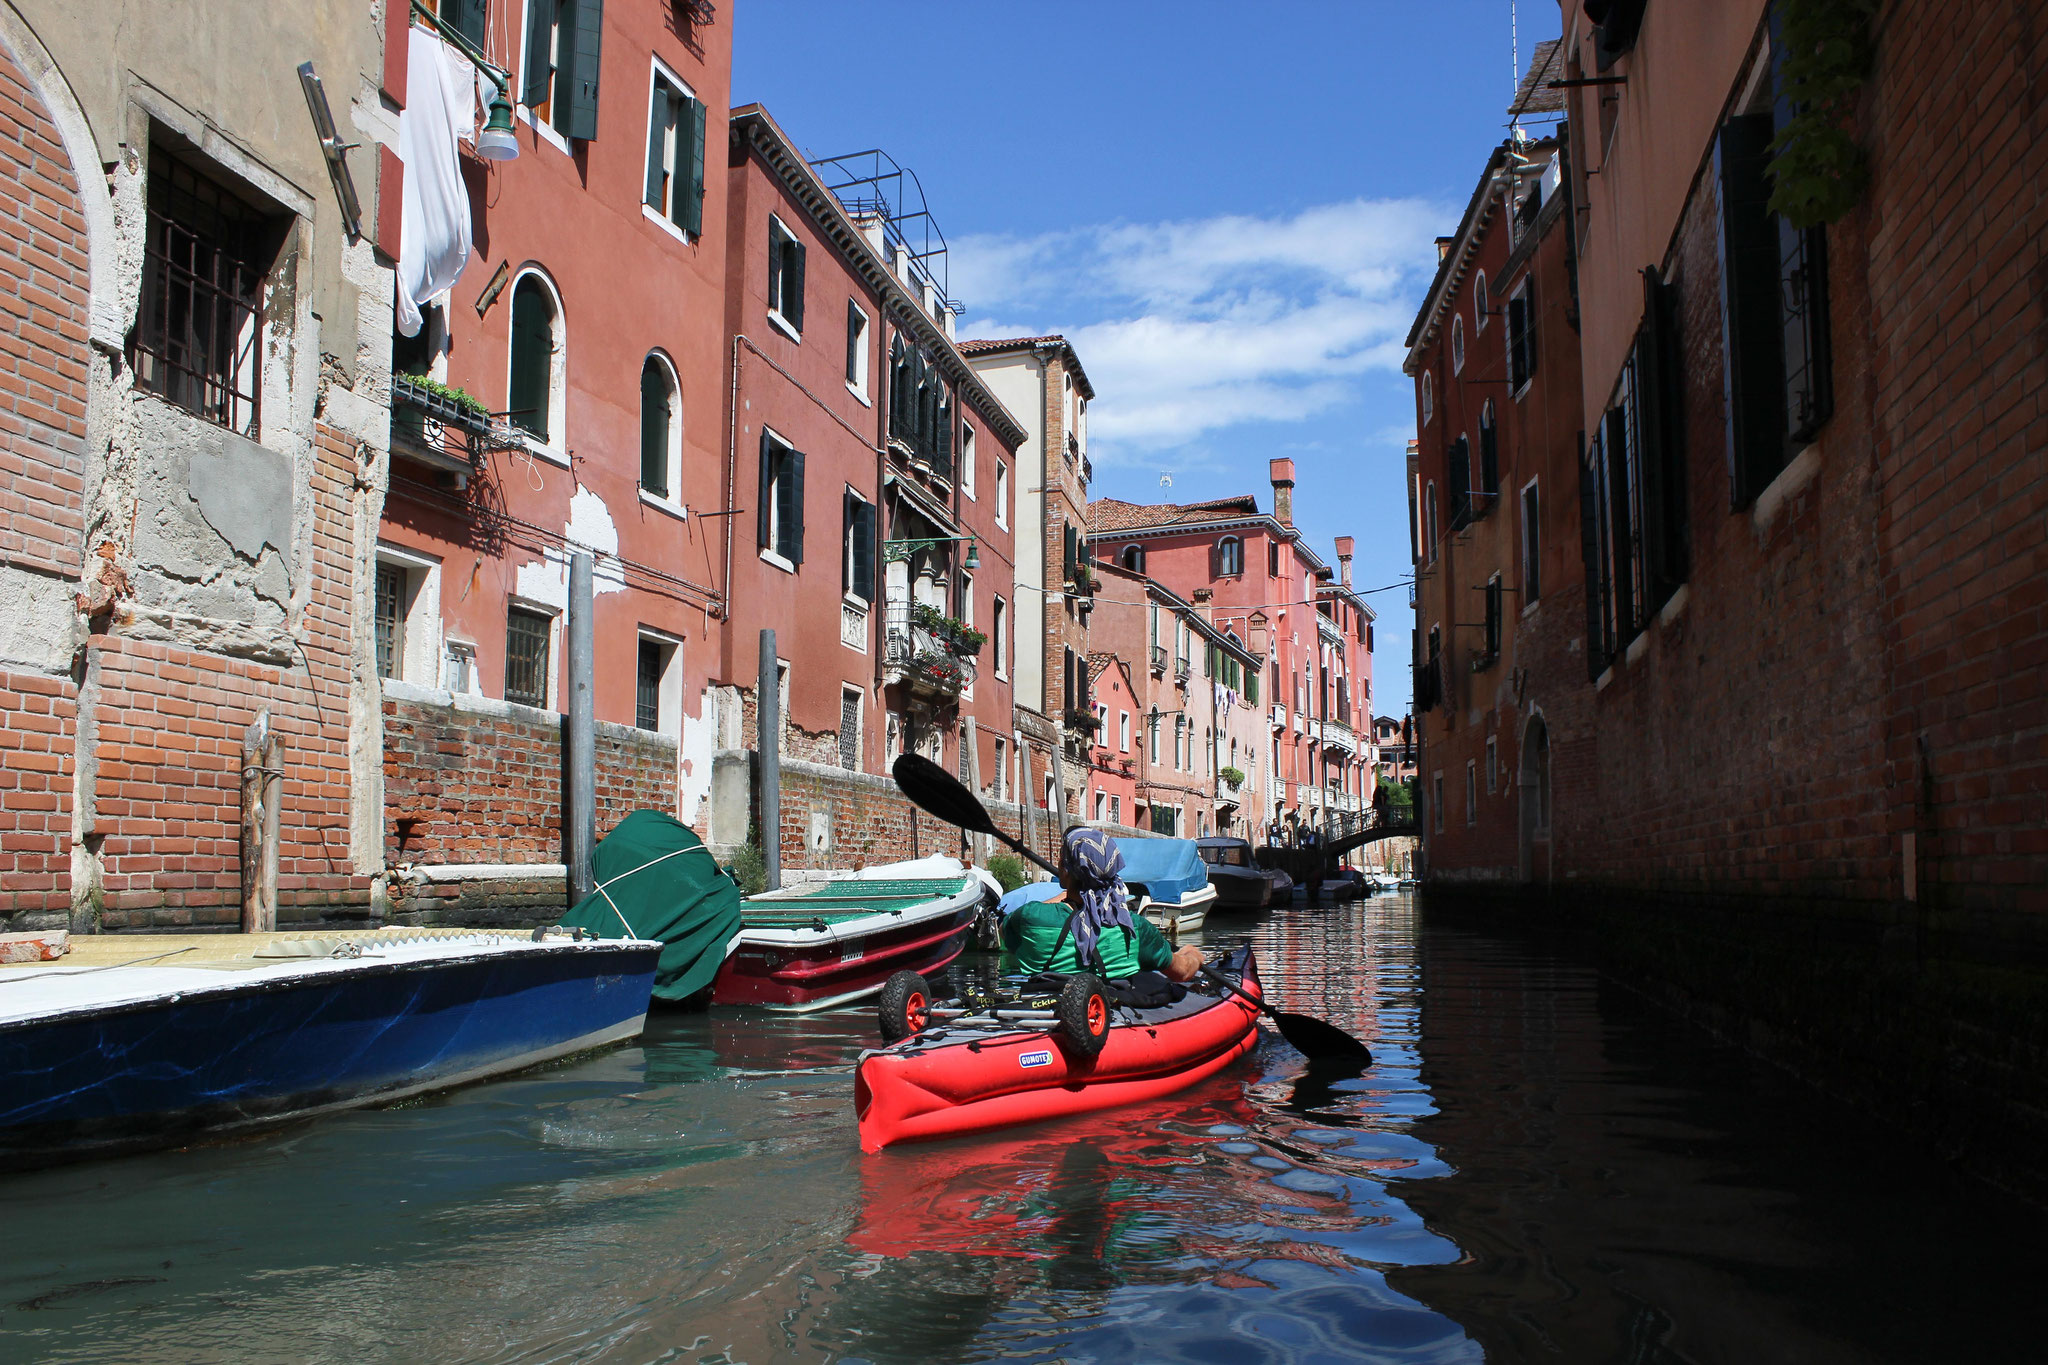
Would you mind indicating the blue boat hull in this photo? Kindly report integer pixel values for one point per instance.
(160, 1071)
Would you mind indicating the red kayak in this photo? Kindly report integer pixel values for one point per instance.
(964, 1071)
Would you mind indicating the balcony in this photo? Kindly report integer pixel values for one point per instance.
(1158, 661)
(929, 650)
(1229, 790)
(1183, 669)
(1279, 716)
(1339, 736)
(436, 425)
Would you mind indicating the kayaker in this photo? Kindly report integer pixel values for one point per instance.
(1090, 925)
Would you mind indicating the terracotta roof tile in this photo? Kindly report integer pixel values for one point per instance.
(999, 343)
(1111, 514)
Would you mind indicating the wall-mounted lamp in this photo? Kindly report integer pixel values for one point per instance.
(496, 142)
(894, 551)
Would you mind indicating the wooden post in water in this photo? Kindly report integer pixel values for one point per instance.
(262, 794)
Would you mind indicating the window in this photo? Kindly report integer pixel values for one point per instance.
(537, 365)
(857, 567)
(1458, 344)
(1002, 495)
(1134, 558)
(1101, 806)
(785, 277)
(199, 332)
(1532, 548)
(1774, 309)
(1489, 458)
(1002, 771)
(1152, 734)
(779, 516)
(647, 685)
(1492, 764)
(1116, 810)
(675, 154)
(1493, 617)
(1471, 791)
(660, 433)
(967, 459)
(999, 635)
(856, 348)
(1458, 458)
(849, 728)
(1436, 802)
(526, 656)
(1229, 557)
(1123, 731)
(390, 619)
(562, 48)
(1429, 525)
(467, 17)
(1180, 743)
(1429, 673)
(1479, 302)
(1102, 723)
(965, 596)
(920, 411)
(1272, 559)
(1428, 399)
(1521, 338)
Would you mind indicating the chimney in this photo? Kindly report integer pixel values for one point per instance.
(1283, 491)
(1344, 547)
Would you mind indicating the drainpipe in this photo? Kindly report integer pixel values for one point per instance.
(580, 819)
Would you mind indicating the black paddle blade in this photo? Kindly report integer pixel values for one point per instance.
(937, 792)
(1325, 1045)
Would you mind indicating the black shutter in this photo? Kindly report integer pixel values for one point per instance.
(660, 112)
(1589, 551)
(690, 130)
(654, 419)
(853, 325)
(793, 507)
(1622, 527)
(532, 357)
(867, 551)
(793, 292)
(1460, 458)
(1753, 341)
(1069, 542)
(775, 276)
(540, 25)
(1659, 393)
(763, 518)
(582, 65)
(1489, 459)
(942, 436)
(849, 520)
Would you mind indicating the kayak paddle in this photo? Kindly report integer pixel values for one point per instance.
(937, 792)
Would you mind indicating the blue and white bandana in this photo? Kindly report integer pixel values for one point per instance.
(1091, 866)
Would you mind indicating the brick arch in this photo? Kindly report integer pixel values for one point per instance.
(45, 312)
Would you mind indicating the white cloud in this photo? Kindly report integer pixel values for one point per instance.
(1191, 327)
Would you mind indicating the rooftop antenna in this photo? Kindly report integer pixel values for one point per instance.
(1166, 480)
(1515, 60)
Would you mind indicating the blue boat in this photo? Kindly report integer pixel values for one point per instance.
(141, 1042)
(1168, 881)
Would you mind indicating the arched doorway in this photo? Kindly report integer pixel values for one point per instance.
(1535, 787)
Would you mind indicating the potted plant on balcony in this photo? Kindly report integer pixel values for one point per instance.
(1234, 776)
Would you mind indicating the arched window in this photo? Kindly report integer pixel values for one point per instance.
(1428, 400)
(1134, 558)
(661, 428)
(1479, 302)
(1458, 344)
(539, 368)
(1229, 557)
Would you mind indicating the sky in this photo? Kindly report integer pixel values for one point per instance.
(1230, 209)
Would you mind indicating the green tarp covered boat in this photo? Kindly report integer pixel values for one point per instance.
(656, 880)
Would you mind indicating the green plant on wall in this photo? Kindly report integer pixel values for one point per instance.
(1234, 776)
(450, 393)
(749, 867)
(1818, 171)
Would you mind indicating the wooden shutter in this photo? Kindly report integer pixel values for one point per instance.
(853, 329)
(1659, 390)
(1459, 457)
(654, 419)
(533, 344)
(791, 487)
(540, 26)
(660, 114)
(849, 520)
(763, 519)
(585, 18)
(1752, 339)
(870, 549)
(690, 130)
(793, 285)
(1589, 553)
(1518, 361)
(469, 18)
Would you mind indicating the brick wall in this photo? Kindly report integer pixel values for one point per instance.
(44, 300)
(475, 781)
(38, 729)
(166, 770)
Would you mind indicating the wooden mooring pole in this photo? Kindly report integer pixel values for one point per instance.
(262, 794)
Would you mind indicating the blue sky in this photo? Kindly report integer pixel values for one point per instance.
(1230, 208)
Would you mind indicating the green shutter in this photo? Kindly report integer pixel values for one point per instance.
(660, 112)
(469, 18)
(654, 418)
(1753, 341)
(849, 523)
(540, 25)
(790, 507)
(582, 66)
(532, 356)
(693, 188)
(763, 517)
(853, 321)
(793, 305)
(774, 264)
(871, 522)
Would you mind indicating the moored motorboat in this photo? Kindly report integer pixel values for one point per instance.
(829, 943)
(1239, 881)
(139, 1041)
(986, 1067)
(1169, 882)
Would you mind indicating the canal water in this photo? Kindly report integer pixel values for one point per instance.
(1540, 1167)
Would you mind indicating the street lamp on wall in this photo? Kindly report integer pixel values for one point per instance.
(894, 551)
(496, 142)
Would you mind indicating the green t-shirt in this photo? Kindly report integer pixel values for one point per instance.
(1032, 938)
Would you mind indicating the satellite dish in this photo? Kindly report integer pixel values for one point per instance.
(1166, 480)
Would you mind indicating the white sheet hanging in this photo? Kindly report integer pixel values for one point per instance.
(434, 238)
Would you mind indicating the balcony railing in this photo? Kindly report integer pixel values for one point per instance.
(922, 655)
(1279, 716)
(434, 425)
(1182, 670)
(1228, 791)
(1338, 735)
(1159, 661)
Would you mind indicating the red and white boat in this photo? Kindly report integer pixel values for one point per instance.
(832, 942)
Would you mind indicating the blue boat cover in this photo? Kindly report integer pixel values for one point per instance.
(1169, 868)
(1026, 894)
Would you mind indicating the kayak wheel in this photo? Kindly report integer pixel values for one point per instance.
(906, 1006)
(1083, 1012)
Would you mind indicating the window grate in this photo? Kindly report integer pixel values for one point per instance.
(647, 687)
(198, 337)
(390, 593)
(849, 731)
(526, 657)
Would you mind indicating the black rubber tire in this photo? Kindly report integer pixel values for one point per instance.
(1083, 1012)
(905, 1007)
